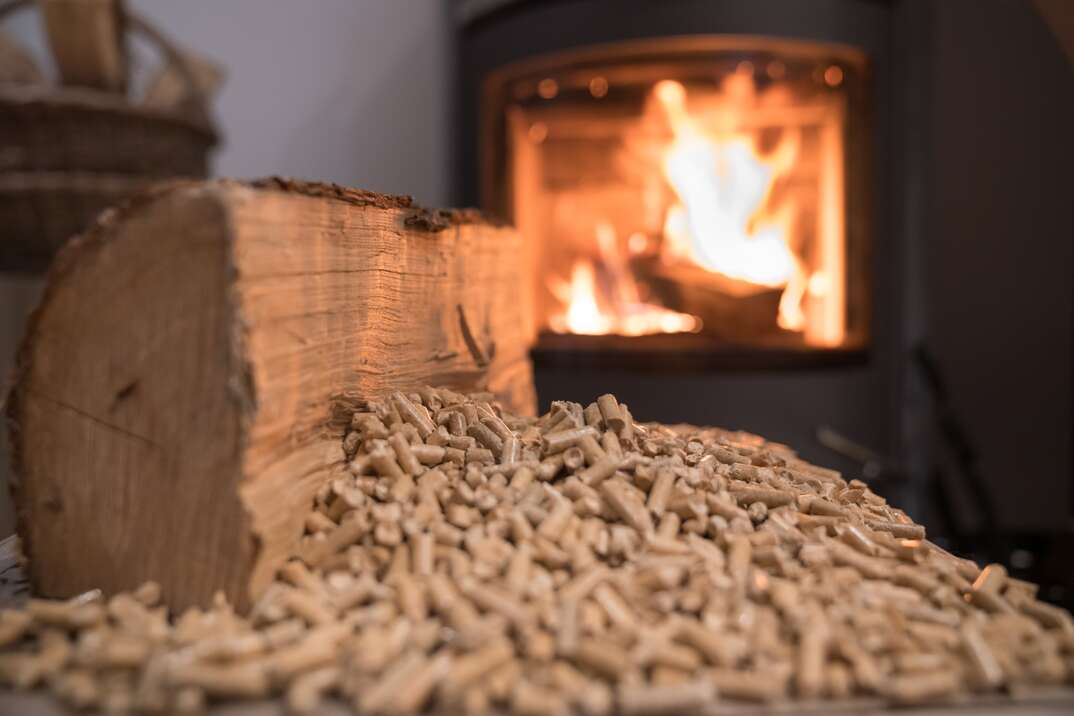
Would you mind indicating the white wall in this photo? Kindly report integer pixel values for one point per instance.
(348, 91)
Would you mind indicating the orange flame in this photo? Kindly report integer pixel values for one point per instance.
(583, 315)
(626, 313)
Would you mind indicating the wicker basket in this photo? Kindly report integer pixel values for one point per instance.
(67, 153)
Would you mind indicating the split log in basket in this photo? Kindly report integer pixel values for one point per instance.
(171, 415)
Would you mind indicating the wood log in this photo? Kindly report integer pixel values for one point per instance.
(171, 417)
(731, 310)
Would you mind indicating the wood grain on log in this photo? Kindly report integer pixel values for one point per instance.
(171, 416)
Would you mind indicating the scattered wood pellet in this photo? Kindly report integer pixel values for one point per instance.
(898, 529)
(466, 560)
(749, 685)
(922, 688)
(611, 413)
(682, 698)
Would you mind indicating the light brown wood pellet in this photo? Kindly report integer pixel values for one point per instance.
(579, 562)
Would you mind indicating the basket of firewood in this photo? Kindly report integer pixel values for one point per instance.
(70, 148)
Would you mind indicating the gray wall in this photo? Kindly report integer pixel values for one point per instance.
(349, 91)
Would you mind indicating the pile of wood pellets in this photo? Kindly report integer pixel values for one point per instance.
(469, 560)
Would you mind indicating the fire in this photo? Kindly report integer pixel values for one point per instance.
(723, 184)
(719, 206)
(583, 315)
(625, 313)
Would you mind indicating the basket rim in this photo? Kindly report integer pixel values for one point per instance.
(82, 98)
(83, 181)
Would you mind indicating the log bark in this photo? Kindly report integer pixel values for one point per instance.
(171, 417)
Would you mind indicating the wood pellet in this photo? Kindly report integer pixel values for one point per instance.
(579, 562)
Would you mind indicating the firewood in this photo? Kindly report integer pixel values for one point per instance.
(184, 386)
(731, 309)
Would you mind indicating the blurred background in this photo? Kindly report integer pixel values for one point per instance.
(943, 374)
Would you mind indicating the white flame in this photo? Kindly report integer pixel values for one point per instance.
(722, 184)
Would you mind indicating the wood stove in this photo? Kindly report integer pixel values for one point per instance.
(715, 199)
(706, 186)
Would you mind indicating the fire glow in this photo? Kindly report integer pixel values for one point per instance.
(627, 315)
(723, 184)
(723, 215)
